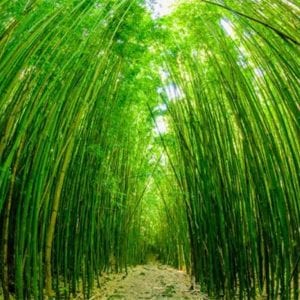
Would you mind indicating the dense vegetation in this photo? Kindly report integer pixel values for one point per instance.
(90, 183)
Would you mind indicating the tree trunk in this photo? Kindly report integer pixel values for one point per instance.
(53, 218)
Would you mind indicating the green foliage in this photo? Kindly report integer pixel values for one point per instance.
(236, 157)
(68, 148)
(87, 187)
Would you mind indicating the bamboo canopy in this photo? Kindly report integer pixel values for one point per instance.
(124, 134)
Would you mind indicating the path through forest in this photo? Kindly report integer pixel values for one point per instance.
(147, 282)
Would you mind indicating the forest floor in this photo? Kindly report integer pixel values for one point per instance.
(147, 282)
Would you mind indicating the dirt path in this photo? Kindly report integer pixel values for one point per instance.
(147, 282)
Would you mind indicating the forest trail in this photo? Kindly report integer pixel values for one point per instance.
(147, 282)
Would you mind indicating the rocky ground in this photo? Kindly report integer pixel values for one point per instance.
(147, 282)
(152, 281)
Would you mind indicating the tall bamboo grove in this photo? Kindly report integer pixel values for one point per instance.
(68, 154)
(78, 83)
(235, 122)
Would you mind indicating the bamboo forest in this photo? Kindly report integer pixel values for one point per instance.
(156, 140)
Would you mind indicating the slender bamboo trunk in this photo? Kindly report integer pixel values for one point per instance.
(5, 229)
(53, 218)
(5, 232)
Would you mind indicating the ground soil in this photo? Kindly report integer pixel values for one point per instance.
(151, 281)
(147, 282)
